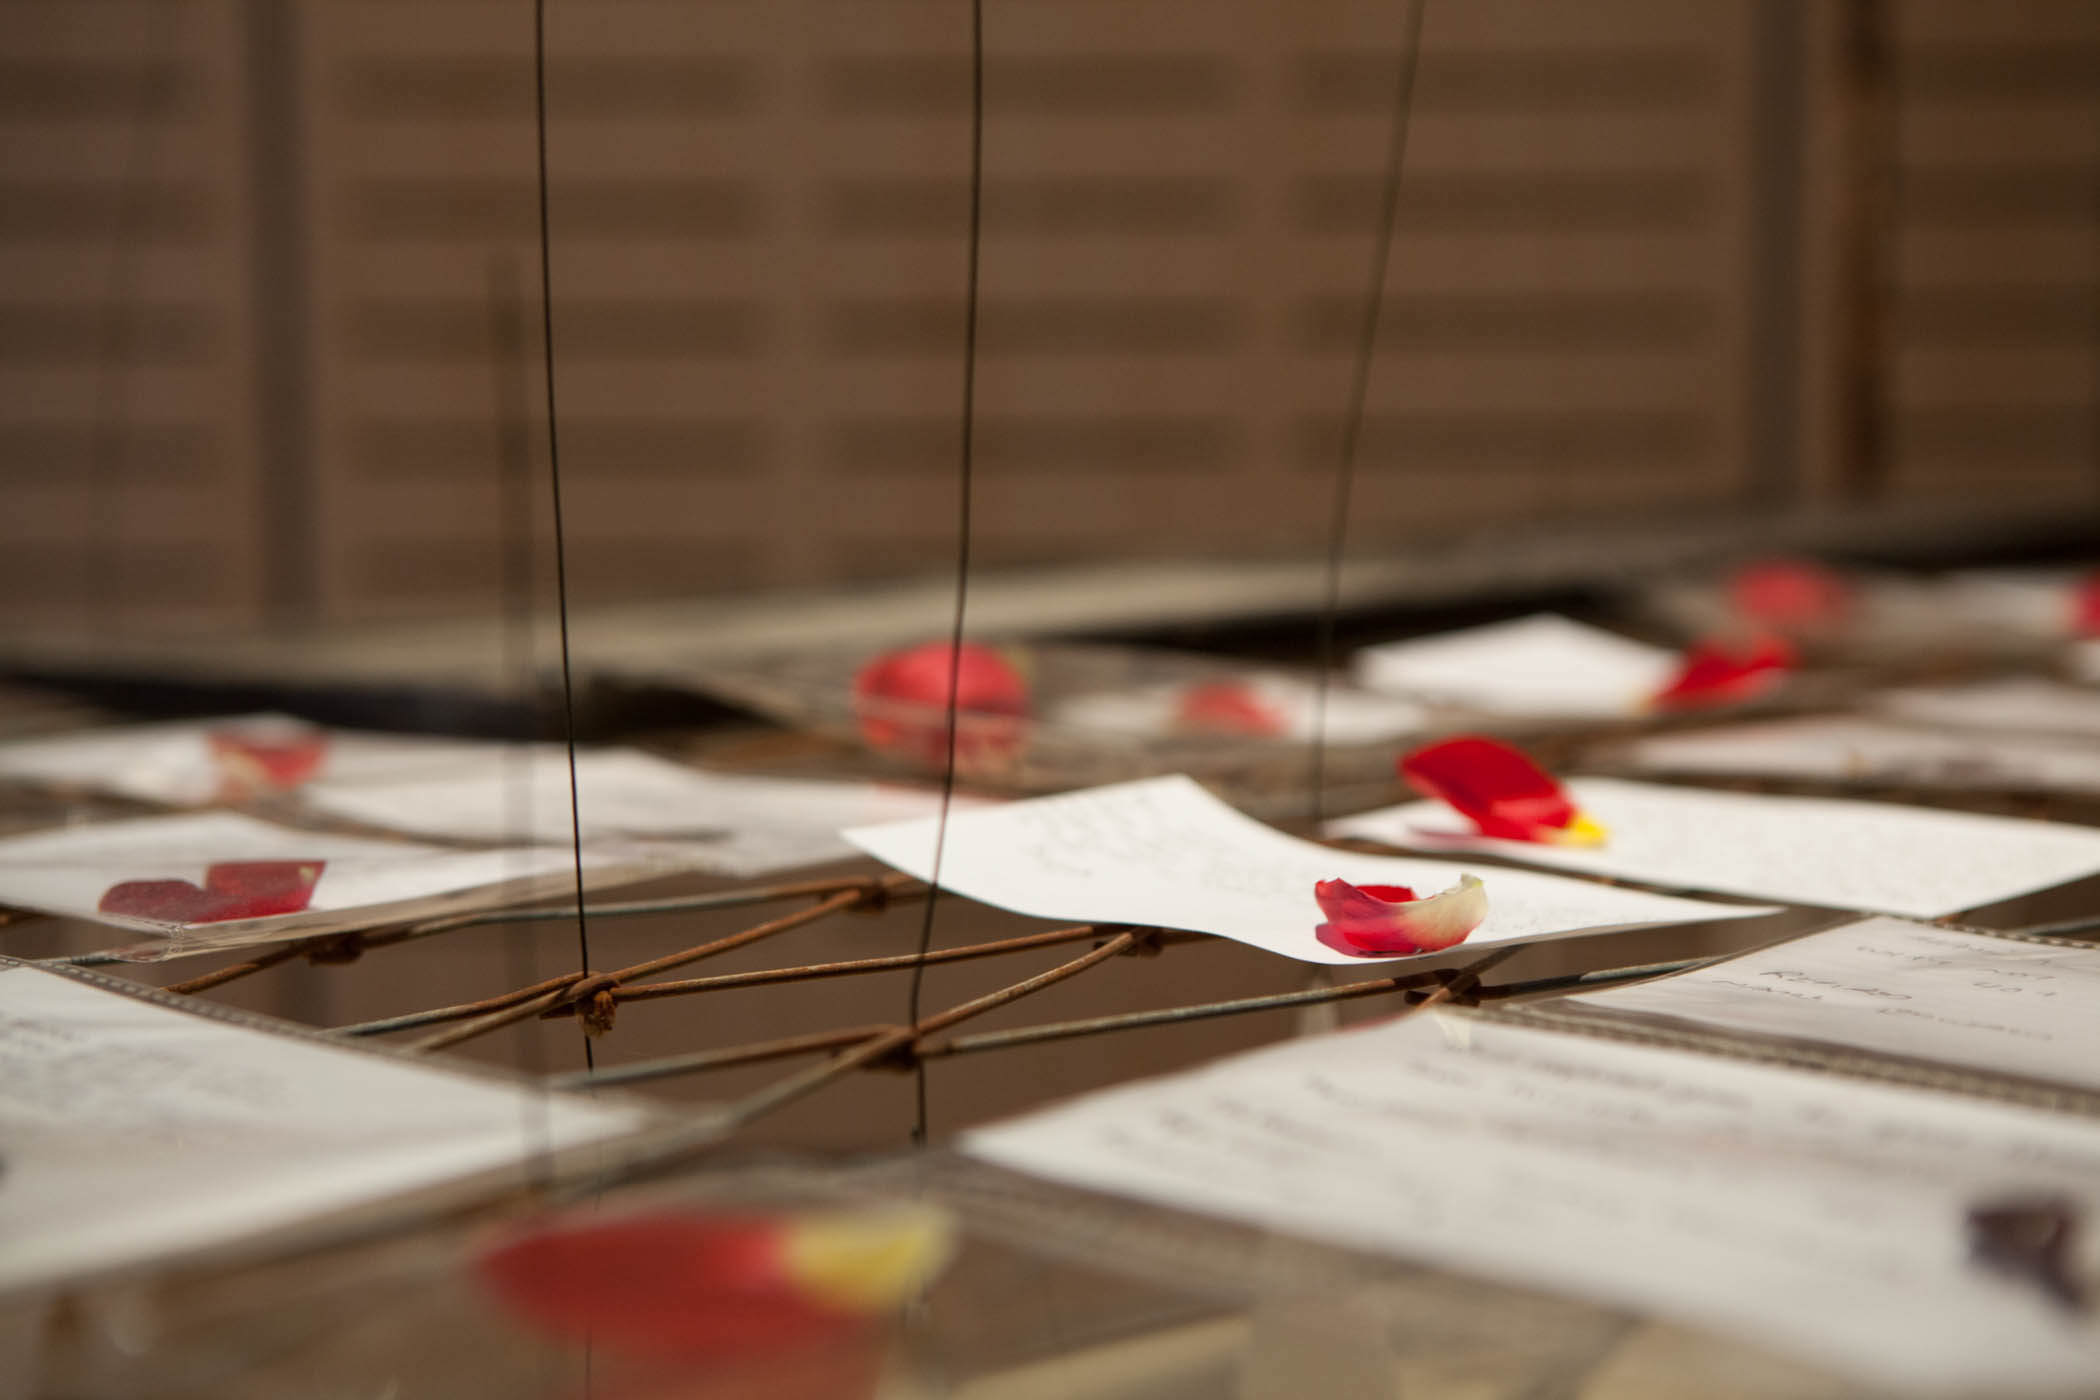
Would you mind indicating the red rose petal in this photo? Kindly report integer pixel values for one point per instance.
(242, 889)
(1389, 919)
(1723, 673)
(664, 1285)
(1789, 594)
(1496, 786)
(252, 760)
(2085, 607)
(901, 700)
(1228, 707)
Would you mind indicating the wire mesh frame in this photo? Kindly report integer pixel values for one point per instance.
(595, 997)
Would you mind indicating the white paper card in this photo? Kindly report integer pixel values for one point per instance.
(1807, 1212)
(193, 762)
(1544, 665)
(1901, 988)
(2020, 703)
(195, 879)
(633, 806)
(1879, 857)
(1864, 750)
(1289, 706)
(1163, 852)
(133, 1131)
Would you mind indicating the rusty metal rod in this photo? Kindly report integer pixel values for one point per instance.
(219, 977)
(735, 1055)
(572, 988)
(649, 991)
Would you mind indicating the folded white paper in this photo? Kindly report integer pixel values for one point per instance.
(1807, 1212)
(1880, 857)
(1163, 852)
(193, 762)
(1865, 750)
(132, 1131)
(633, 806)
(2021, 703)
(1545, 665)
(1901, 988)
(220, 879)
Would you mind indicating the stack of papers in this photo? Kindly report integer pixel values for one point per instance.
(2004, 1005)
(221, 880)
(1871, 751)
(1165, 853)
(135, 1131)
(1544, 666)
(1819, 1215)
(1875, 856)
(634, 807)
(194, 762)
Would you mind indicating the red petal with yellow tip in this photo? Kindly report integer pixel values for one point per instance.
(1498, 787)
(1725, 673)
(1389, 919)
(665, 1285)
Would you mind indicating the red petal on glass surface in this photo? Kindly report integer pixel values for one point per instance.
(665, 1285)
(1228, 707)
(1726, 673)
(265, 761)
(1364, 919)
(1498, 787)
(241, 889)
(901, 700)
(1789, 594)
(164, 901)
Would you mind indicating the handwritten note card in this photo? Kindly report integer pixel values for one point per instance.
(220, 879)
(1164, 852)
(1544, 665)
(1806, 1212)
(1865, 750)
(633, 806)
(132, 1130)
(1903, 989)
(193, 762)
(1875, 856)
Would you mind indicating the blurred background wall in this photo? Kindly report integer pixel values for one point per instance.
(1656, 259)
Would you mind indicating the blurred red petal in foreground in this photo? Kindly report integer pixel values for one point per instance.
(901, 701)
(1790, 594)
(1714, 673)
(682, 1284)
(1386, 919)
(1500, 790)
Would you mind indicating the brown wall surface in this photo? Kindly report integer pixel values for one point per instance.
(248, 364)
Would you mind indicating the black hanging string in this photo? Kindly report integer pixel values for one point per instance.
(962, 535)
(1359, 388)
(561, 553)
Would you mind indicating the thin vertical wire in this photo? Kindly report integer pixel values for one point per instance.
(1359, 388)
(962, 537)
(561, 552)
